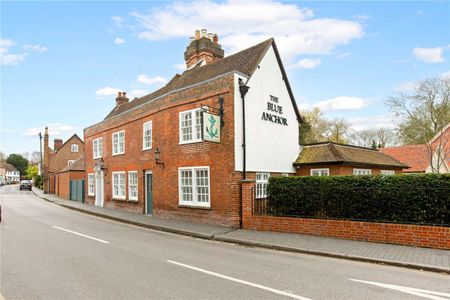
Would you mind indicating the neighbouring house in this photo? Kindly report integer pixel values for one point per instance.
(329, 159)
(58, 158)
(433, 157)
(8, 173)
(69, 182)
(183, 150)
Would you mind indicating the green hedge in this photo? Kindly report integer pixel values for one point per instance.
(420, 199)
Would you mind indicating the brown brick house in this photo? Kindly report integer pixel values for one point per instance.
(183, 150)
(66, 177)
(329, 159)
(61, 156)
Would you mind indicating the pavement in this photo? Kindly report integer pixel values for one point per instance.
(427, 259)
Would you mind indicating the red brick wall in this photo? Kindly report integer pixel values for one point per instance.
(58, 160)
(305, 170)
(411, 235)
(224, 181)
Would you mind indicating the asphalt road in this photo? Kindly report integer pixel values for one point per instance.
(49, 252)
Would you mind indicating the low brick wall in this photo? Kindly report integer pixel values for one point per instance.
(402, 234)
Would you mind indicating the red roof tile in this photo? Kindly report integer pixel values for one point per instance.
(415, 156)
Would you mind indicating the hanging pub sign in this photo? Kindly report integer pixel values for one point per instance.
(211, 127)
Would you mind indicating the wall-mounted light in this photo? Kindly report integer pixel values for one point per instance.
(157, 152)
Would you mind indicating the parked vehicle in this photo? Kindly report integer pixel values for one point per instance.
(25, 185)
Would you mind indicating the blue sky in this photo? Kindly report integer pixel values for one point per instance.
(63, 62)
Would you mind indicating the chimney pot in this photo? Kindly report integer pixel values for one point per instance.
(191, 39)
(204, 31)
(210, 36)
(197, 34)
(215, 39)
(121, 98)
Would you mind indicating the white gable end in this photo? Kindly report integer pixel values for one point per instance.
(271, 121)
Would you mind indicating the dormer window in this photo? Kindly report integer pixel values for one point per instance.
(74, 148)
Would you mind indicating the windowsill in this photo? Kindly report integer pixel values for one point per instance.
(97, 157)
(119, 199)
(190, 142)
(145, 149)
(91, 195)
(194, 206)
(132, 200)
(118, 153)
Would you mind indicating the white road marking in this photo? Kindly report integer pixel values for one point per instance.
(409, 290)
(80, 234)
(284, 293)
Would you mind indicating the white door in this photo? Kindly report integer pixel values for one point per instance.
(99, 188)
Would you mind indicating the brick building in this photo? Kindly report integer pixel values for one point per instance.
(61, 156)
(328, 159)
(183, 150)
(65, 179)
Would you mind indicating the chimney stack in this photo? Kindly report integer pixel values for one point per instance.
(45, 163)
(121, 98)
(57, 143)
(204, 47)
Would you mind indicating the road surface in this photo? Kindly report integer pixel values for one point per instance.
(49, 252)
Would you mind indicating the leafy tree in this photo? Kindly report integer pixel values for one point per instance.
(32, 171)
(18, 161)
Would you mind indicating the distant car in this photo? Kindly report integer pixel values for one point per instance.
(25, 185)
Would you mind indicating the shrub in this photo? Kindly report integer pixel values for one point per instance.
(421, 199)
(38, 181)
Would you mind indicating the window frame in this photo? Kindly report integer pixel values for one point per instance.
(195, 194)
(72, 148)
(70, 161)
(118, 142)
(99, 148)
(261, 185)
(130, 197)
(356, 170)
(118, 196)
(387, 172)
(320, 170)
(91, 184)
(144, 136)
(194, 127)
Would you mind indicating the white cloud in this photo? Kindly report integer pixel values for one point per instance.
(307, 63)
(119, 41)
(137, 93)
(370, 122)
(118, 21)
(54, 129)
(430, 55)
(144, 79)
(107, 91)
(181, 67)
(342, 103)
(36, 48)
(446, 75)
(241, 24)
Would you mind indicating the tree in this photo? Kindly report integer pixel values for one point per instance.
(32, 172)
(19, 162)
(374, 138)
(424, 112)
(2, 156)
(337, 131)
(35, 158)
(314, 129)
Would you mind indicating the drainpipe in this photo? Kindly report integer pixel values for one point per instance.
(243, 89)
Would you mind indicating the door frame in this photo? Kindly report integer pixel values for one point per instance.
(99, 177)
(145, 191)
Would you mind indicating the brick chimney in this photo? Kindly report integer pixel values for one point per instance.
(121, 99)
(203, 46)
(57, 143)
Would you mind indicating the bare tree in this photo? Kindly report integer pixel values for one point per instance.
(314, 129)
(35, 158)
(380, 138)
(424, 112)
(337, 131)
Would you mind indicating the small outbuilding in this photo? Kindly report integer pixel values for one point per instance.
(69, 182)
(328, 159)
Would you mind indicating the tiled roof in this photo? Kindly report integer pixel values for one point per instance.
(77, 165)
(245, 61)
(329, 152)
(415, 156)
(7, 166)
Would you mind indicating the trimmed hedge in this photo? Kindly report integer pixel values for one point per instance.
(419, 199)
